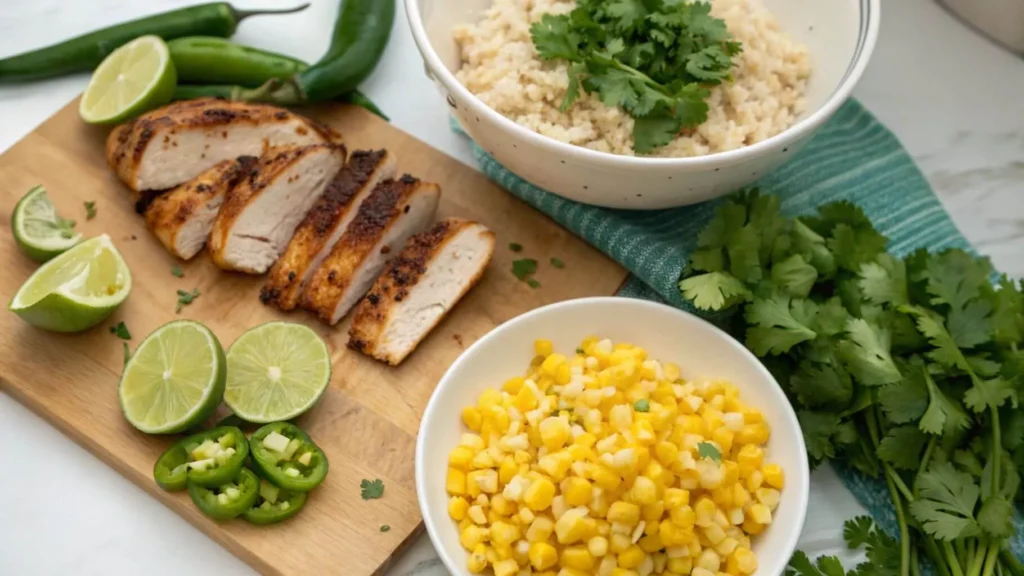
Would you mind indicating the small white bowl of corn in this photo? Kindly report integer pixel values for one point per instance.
(611, 437)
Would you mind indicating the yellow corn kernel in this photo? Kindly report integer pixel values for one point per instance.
(578, 491)
(690, 424)
(522, 457)
(623, 572)
(471, 537)
(769, 497)
(482, 460)
(752, 416)
(651, 513)
(753, 434)
(597, 546)
(586, 440)
(666, 415)
(736, 516)
(540, 529)
(455, 483)
(683, 516)
(504, 533)
(651, 543)
(539, 495)
(502, 505)
(508, 470)
(472, 418)
(472, 441)
(755, 480)
(618, 543)
(732, 472)
(750, 458)
(513, 385)
(461, 457)
(724, 438)
(526, 399)
(682, 565)
(542, 555)
(457, 507)
(666, 453)
(631, 557)
(552, 363)
(705, 511)
(714, 534)
(578, 557)
(624, 513)
(643, 491)
(573, 526)
(477, 559)
(554, 432)
(709, 561)
(726, 547)
(564, 375)
(760, 513)
(605, 478)
(742, 561)
(676, 497)
(489, 398)
(740, 495)
(556, 464)
(484, 480)
(670, 371)
(672, 534)
(722, 496)
(773, 476)
(506, 568)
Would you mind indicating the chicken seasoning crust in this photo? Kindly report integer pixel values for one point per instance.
(418, 287)
(324, 225)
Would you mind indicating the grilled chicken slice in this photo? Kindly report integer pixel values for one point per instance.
(261, 213)
(182, 218)
(431, 274)
(324, 225)
(395, 210)
(171, 145)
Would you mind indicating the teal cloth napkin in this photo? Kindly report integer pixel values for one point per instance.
(853, 157)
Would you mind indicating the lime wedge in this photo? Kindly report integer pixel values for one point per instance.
(76, 290)
(136, 77)
(175, 379)
(276, 371)
(38, 230)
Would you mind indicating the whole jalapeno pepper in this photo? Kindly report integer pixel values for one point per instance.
(208, 59)
(288, 457)
(208, 459)
(274, 505)
(229, 500)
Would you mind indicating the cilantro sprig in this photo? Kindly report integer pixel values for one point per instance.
(907, 369)
(656, 59)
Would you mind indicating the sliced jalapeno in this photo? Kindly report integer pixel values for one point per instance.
(208, 459)
(274, 505)
(229, 500)
(288, 457)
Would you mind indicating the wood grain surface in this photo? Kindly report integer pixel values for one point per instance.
(367, 420)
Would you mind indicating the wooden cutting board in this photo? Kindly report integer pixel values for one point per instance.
(367, 420)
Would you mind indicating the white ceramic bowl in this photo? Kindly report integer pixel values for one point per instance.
(668, 334)
(840, 35)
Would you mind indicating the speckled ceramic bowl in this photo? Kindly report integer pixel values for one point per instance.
(840, 35)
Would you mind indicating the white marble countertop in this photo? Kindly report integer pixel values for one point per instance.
(952, 99)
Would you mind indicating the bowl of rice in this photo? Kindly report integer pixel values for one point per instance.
(796, 62)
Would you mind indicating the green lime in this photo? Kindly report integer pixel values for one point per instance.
(133, 79)
(38, 230)
(76, 290)
(174, 380)
(276, 371)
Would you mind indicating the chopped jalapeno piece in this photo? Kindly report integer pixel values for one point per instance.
(228, 500)
(274, 505)
(288, 457)
(208, 458)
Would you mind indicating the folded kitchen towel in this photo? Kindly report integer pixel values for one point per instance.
(853, 157)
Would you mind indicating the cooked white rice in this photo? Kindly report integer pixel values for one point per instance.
(500, 66)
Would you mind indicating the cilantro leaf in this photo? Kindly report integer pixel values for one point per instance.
(121, 331)
(127, 352)
(905, 401)
(709, 450)
(713, 291)
(557, 262)
(811, 246)
(90, 210)
(801, 565)
(991, 393)
(532, 283)
(524, 268)
(185, 298)
(996, 517)
(820, 430)
(794, 275)
(946, 505)
(177, 272)
(946, 352)
(553, 38)
(943, 416)
(371, 489)
(857, 531)
(642, 405)
(515, 246)
(774, 329)
(902, 447)
(884, 281)
(865, 353)
(822, 385)
(831, 318)
(654, 130)
(385, 528)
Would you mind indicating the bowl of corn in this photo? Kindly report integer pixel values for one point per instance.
(613, 437)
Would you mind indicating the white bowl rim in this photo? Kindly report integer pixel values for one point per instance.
(803, 472)
(870, 18)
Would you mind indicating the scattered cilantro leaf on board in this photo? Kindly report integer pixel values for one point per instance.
(90, 209)
(185, 298)
(127, 353)
(371, 489)
(532, 283)
(557, 262)
(385, 528)
(515, 247)
(524, 268)
(65, 226)
(121, 331)
(709, 450)
(177, 272)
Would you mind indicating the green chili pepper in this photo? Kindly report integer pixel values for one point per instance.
(84, 53)
(228, 500)
(274, 505)
(288, 457)
(208, 59)
(208, 459)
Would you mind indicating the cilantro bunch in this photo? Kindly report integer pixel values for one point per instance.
(904, 369)
(654, 58)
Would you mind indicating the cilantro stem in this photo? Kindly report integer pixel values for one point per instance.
(871, 416)
(1012, 564)
(932, 549)
(997, 450)
(978, 562)
(991, 558)
(952, 559)
(900, 484)
(915, 569)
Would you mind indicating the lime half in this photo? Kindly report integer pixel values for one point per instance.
(38, 230)
(135, 78)
(175, 379)
(276, 371)
(76, 290)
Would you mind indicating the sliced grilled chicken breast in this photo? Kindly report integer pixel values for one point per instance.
(260, 214)
(171, 145)
(324, 225)
(395, 210)
(431, 274)
(182, 218)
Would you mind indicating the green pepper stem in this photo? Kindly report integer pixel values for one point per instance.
(240, 15)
